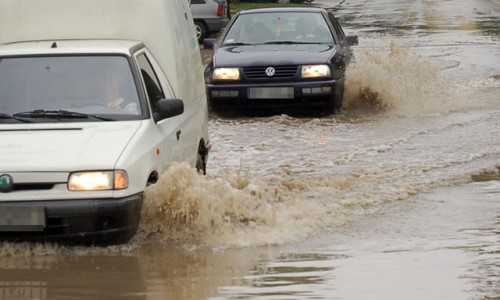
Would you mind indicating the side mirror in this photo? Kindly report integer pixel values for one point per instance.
(209, 43)
(351, 40)
(167, 108)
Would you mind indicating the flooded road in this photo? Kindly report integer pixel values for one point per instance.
(397, 197)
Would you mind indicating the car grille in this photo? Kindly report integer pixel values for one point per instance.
(33, 186)
(260, 72)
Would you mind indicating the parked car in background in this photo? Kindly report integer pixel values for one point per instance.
(210, 16)
(279, 58)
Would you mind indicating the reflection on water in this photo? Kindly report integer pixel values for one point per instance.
(70, 277)
(288, 276)
(173, 272)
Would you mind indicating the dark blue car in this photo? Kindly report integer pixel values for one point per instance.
(279, 58)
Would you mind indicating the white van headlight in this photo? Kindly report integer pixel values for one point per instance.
(313, 71)
(226, 74)
(98, 180)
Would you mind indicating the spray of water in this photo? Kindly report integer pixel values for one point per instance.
(186, 206)
(392, 78)
(234, 210)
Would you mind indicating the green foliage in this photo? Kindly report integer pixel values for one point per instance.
(235, 7)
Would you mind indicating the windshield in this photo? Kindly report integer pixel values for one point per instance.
(279, 27)
(95, 85)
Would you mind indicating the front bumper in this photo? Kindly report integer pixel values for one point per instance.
(310, 94)
(96, 221)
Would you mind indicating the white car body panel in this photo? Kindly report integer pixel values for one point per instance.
(42, 147)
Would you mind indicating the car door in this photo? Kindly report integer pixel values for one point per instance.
(168, 132)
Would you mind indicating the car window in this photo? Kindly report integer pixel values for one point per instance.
(153, 88)
(88, 84)
(258, 28)
(336, 26)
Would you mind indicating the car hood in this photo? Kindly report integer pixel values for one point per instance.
(257, 55)
(63, 147)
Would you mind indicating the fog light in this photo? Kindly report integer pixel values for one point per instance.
(317, 90)
(231, 93)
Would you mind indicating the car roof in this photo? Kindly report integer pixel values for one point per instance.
(69, 47)
(282, 9)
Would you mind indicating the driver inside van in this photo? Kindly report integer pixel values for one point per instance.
(112, 88)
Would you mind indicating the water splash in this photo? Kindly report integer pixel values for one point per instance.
(183, 205)
(233, 210)
(397, 80)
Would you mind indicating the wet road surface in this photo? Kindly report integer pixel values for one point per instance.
(397, 197)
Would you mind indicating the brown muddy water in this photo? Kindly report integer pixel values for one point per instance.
(397, 197)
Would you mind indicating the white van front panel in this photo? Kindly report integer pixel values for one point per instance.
(64, 147)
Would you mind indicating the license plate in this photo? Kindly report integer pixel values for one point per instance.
(270, 93)
(22, 218)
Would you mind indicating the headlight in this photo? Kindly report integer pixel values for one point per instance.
(314, 71)
(226, 74)
(98, 180)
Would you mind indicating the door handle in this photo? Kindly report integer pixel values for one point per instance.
(178, 134)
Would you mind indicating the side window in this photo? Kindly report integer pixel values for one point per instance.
(338, 30)
(153, 87)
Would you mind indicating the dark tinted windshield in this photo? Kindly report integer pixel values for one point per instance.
(101, 85)
(260, 28)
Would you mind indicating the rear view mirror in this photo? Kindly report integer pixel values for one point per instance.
(351, 40)
(280, 21)
(168, 108)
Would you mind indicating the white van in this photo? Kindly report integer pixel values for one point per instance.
(96, 99)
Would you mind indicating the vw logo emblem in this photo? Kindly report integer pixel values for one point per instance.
(6, 183)
(270, 71)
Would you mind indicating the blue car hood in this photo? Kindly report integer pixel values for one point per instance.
(258, 55)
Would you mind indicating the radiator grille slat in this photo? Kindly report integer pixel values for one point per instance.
(260, 72)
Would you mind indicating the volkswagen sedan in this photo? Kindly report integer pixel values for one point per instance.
(279, 58)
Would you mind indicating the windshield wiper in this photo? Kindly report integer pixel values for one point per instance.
(289, 42)
(41, 113)
(8, 116)
(237, 44)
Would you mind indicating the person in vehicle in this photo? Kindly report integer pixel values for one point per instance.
(260, 33)
(305, 28)
(113, 95)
